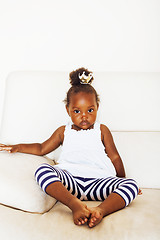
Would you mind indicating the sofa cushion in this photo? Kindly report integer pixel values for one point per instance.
(139, 221)
(18, 187)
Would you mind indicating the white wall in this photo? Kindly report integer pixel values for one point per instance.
(103, 35)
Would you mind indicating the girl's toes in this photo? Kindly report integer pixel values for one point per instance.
(77, 222)
(92, 222)
(80, 221)
(84, 220)
(95, 218)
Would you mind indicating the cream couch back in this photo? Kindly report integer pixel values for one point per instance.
(130, 103)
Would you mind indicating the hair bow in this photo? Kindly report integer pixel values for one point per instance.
(84, 79)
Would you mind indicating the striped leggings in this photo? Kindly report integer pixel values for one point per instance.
(97, 189)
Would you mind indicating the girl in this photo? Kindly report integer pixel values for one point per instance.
(89, 167)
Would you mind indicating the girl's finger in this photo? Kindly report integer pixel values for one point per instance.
(5, 148)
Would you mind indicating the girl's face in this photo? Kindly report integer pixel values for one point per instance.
(83, 110)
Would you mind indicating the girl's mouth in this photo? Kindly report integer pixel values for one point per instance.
(84, 123)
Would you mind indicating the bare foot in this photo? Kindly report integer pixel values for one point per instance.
(80, 212)
(96, 216)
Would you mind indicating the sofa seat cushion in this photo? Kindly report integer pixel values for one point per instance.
(18, 187)
(140, 220)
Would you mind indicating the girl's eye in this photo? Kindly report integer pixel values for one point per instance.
(76, 111)
(90, 110)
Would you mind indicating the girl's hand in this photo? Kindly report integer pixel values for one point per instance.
(9, 148)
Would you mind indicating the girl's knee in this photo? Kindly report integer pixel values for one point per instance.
(128, 189)
(43, 167)
(45, 175)
(133, 184)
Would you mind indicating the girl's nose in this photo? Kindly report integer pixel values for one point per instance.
(84, 115)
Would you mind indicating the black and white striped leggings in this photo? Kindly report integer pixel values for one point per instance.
(97, 189)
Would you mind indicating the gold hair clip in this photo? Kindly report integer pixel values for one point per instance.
(84, 79)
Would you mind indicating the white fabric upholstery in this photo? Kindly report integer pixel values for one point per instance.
(18, 187)
(138, 221)
(140, 152)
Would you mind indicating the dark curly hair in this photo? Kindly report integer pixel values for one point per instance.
(78, 86)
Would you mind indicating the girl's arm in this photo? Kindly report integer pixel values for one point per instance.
(111, 151)
(38, 148)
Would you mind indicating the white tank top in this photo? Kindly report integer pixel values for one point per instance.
(83, 153)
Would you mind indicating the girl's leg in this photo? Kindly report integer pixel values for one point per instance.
(115, 192)
(79, 209)
(51, 180)
(113, 203)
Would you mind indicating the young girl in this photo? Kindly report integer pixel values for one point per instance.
(89, 167)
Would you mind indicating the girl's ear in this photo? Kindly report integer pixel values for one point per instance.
(67, 110)
(97, 106)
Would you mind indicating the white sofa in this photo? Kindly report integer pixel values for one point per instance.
(33, 109)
